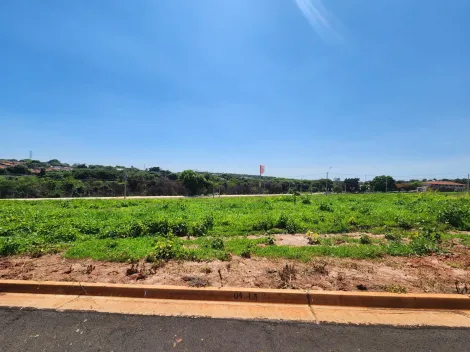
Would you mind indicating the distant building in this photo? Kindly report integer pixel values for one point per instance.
(59, 168)
(444, 186)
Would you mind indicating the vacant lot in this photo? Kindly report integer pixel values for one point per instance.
(373, 227)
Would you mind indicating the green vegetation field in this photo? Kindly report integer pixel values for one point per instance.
(122, 230)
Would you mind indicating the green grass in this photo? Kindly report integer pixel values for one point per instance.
(306, 253)
(122, 230)
(124, 249)
(210, 248)
(200, 250)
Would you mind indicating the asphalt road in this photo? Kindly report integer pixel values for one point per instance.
(40, 330)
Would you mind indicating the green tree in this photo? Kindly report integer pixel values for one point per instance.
(54, 162)
(28, 187)
(193, 182)
(173, 176)
(383, 183)
(42, 173)
(352, 185)
(337, 189)
(19, 169)
(7, 187)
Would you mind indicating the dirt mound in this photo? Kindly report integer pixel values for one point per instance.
(437, 274)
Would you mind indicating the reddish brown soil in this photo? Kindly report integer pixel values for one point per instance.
(393, 274)
(300, 240)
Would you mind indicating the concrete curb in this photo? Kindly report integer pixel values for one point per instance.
(319, 298)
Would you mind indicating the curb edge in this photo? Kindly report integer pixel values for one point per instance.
(246, 295)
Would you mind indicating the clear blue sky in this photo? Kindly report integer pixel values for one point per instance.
(368, 87)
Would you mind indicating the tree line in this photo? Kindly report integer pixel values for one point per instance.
(53, 179)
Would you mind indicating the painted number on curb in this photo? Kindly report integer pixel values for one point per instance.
(250, 296)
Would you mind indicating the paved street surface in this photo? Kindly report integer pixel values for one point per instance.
(39, 330)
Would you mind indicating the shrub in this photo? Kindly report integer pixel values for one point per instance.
(306, 200)
(199, 230)
(325, 207)
(217, 244)
(431, 235)
(87, 229)
(396, 289)
(392, 237)
(112, 234)
(404, 223)
(223, 255)
(263, 224)
(246, 252)
(159, 227)
(291, 226)
(313, 238)
(270, 241)
(364, 209)
(365, 239)
(112, 244)
(9, 246)
(180, 228)
(166, 249)
(226, 222)
(138, 229)
(282, 221)
(453, 215)
(208, 222)
(339, 226)
(426, 242)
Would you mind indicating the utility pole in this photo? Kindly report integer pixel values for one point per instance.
(125, 184)
(259, 185)
(327, 180)
(468, 183)
(125, 180)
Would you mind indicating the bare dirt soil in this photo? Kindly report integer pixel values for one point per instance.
(301, 240)
(437, 274)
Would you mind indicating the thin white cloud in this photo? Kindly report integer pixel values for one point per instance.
(317, 16)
